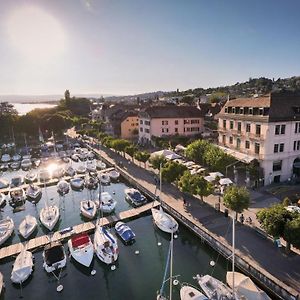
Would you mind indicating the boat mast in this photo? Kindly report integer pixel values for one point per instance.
(171, 267)
(233, 254)
(160, 181)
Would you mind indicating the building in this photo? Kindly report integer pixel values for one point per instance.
(162, 121)
(264, 128)
(129, 125)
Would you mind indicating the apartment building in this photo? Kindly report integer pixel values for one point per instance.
(162, 121)
(264, 128)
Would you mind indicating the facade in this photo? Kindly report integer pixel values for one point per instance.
(130, 126)
(162, 121)
(267, 129)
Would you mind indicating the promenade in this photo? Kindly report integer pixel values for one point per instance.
(251, 246)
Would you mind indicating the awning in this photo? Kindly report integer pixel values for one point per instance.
(209, 178)
(216, 174)
(245, 158)
(225, 181)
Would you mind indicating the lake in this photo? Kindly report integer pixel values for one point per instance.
(24, 108)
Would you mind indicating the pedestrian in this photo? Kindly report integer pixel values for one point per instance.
(242, 219)
(249, 220)
(184, 201)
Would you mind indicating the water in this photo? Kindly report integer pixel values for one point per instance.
(136, 276)
(24, 108)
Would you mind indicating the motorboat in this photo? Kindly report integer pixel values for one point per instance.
(26, 163)
(49, 216)
(4, 183)
(108, 204)
(15, 165)
(188, 292)
(27, 226)
(33, 192)
(91, 182)
(77, 183)
(22, 267)
(6, 158)
(90, 155)
(63, 187)
(75, 157)
(44, 175)
(91, 166)
(54, 257)
(244, 287)
(16, 157)
(88, 209)
(30, 177)
(104, 178)
(81, 169)
(114, 175)
(135, 197)
(16, 181)
(100, 165)
(124, 232)
(82, 249)
(83, 156)
(214, 288)
(106, 245)
(4, 167)
(36, 162)
(164, 221)
(6, 229)
(27, 156)
(17, 197)
(2, 199)
(69, 171)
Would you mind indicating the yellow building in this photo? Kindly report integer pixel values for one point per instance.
(130, 125)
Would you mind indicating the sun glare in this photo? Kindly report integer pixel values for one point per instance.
(35, 33)
(52, 168)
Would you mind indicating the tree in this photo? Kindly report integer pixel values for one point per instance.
(157, 160)
(172, 171)
(142, 156)
(107, 141)
(185, 183)
(196, 150)
(292, 233)
(130, 150)
(67, 95)
(203, 188)
(119, 145)
(187, 100)
(237, 199)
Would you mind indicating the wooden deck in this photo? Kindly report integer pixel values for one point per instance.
(39, 242)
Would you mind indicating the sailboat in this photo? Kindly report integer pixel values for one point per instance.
(6, 229)
(88, 209)
(27, 226)
(22, 267)
(34, 192)
(188, 292)
(82, 249)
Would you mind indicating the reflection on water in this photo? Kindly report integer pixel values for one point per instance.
(24, 108)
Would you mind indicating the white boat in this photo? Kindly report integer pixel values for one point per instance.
(81, 169)
(164, 221)
(77, 183)
(5, 158)
(90, 155)
(88, 209)
(75, 157)
(2, 199)
(100, 165)
(22, 267)
(16, 181)
(17, 197)
(135, 197)
(34, 192)
(124, 232)
(69, 171)
(114, 175)
(106, 245)
(104, 178)
(27, 156)
(16, 157)
(44, 175)
(4, 183)
(15, 165)
(49, 216)
(4, 167)
(1, 283)
(214, 288)
(54, 257)
(6, 229)
(36, 162)
(27, 226)
(82, 249)
(108, 204)
(91, 166)
(30, 177)
(188, 292)
(26, 163)
(91, 182)
(63, 187)
(245, 287)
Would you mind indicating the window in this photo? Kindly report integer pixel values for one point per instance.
(164, 130)
(257, 148)
(239, 126)
(281, 147)
(224, 124)
(186, 121)
(297, 127)
(248, 127)
(230, 140)
(282, 131)
(176, 130)
(261, 111)
(194, 121)
(276, 147)
(147, 123)
(247, 144)
(231, 125)
(164, 122)
(238, 143)
(141, 129)
(250, 111)
(226, 110)
(141, 121)
(279, 129)
(147, 130)
(277, 164)
(257, 129)
(224, 139)
(176, 122)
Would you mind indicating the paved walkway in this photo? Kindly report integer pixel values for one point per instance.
(249, 244)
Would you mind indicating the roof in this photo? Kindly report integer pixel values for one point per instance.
(172, 112)
(263, 101)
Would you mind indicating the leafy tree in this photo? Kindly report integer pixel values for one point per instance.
(286, 201)
(172, 171)
(142, 156)
(196, 150)
(187, 100)
(67, 95)
(237, 199)
(185, 183)
(157, 160)
(119, 145)
(130, 150)
(292, 233)
(107, 141)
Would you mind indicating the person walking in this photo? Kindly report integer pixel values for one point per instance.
(242, 218)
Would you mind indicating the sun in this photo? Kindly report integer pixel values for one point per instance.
(35, 33)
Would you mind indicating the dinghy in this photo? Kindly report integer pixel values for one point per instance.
(91, 166)
(81, 169)
(107, 204)
(63, 187)
(75, 157)
(77, 183)
(104, 178)
(135, 197)
(82, 249)
(36, 162)
(5, 158)
(188, 292)
(27, 226)
(15, 165)
(124, 232)
(16, 157)
(2, 199)
(91, 182)
(54, 257)
(106, 246)
(49, 216)
(17, 197)
(33, 192)
(114, 175)
(100, 165)
(164, 221)
(22, 267)
(69, 171)
(16, 181)
(88, 209)
(6, 229)
(26, 163)
(30, 177)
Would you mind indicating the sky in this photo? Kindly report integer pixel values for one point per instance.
(125, 47)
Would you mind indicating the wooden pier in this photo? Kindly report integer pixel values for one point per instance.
(39, 242)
